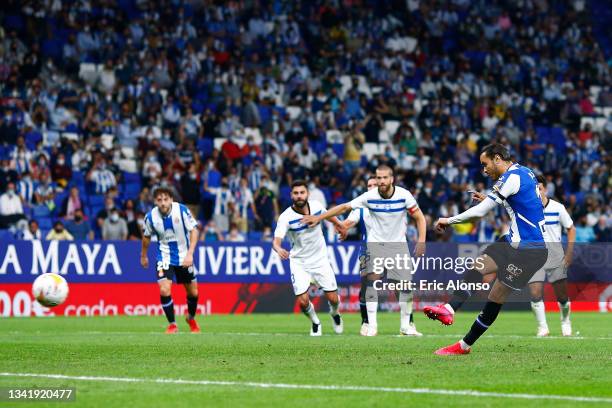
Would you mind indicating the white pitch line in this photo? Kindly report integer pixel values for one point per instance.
(469, 393)
(213, 333)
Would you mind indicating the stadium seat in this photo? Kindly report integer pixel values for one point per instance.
(254, 236)
(40, 211)
(45, 222)
(131, 178)
(96, 200)
(6, 235)
(205, 146)
(132, 190)
(338, 149)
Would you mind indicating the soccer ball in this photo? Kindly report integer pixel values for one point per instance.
(50, 289)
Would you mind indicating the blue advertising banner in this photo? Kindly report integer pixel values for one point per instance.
(221, 262)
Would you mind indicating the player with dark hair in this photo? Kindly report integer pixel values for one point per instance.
(555, 270)
(515, 258)
(177, 235)
(308, 256)
(388, 206)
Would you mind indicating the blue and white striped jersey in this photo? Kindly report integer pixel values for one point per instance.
(517, 190)
(172, 233)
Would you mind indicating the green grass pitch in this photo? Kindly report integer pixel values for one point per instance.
(275, 349)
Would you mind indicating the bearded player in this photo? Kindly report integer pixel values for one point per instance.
(389, 207)
(308, 255)
(515, 258)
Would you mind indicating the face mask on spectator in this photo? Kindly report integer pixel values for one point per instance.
(193, 176)
(60, 162)
(10, 192)
(114, 217)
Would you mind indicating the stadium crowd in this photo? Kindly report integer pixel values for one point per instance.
(228, 102)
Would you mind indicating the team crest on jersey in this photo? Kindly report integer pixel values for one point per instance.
(513, 272)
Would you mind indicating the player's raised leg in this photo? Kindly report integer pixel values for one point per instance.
(445, 313)
(191, 289)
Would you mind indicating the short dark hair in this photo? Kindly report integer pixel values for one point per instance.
(370, 178)
(496, 149)
(541, 179)
(299, 183)
(385, 167)
(162, 190)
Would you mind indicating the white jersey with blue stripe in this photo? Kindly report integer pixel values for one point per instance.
(388, 216)
(517, 190)
(172, 233)
(556, 218)
(306, 243)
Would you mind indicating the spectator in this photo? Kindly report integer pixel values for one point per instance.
(114, 227)
(602, 230)
(102, 177)
(79, 227)
(11, 209)
(234, 235)
(584, 232)
(32, 232)
(59, 233)
(60, 172)
(45, 192)
(190, 189)
(135, 227)
(211, 233)
(223, 198)
(71, 204)
(266, 206)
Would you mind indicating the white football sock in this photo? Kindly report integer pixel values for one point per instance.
(311, 314)
(540, 313)
(464, 345)
(405, 303)
(449, 308)
(565, 311)
(372, 308)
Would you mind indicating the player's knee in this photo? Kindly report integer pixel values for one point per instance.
(303, 302)
(165, 289)
(536, 299)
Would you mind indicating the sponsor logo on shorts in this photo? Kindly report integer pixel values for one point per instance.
(513, 272)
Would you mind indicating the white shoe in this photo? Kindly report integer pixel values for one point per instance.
(315, 330)
(364, 329)
(410, 331)
(542, 332)
(338, 324)
(566, 328)
(372, 331)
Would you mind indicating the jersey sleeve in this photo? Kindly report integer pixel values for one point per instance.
(148, 226)
(361, 201)
(281, 227)
(188, 220)
(565, 219)
(505, 187)
(411, 204)
(355, 215)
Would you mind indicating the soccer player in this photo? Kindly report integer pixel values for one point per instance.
(515, 257)
(308, 256)
(177, 236)
(555, 269)
(388, 207)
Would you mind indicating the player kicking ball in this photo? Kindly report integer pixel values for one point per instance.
(555, 269)
(389, 207)
(515, 257)
(308, 256)
(177, 236)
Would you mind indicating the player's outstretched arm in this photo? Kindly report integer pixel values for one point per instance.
(312, 220)
(144, 257)
(478, 211)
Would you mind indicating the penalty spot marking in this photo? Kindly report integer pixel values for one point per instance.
(433, 391)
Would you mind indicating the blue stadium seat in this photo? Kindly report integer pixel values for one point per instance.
(6, 235)
(40, 211)
(205, 146)
(131, 177)
(132, 190)
(78, 177)
(45, 222)
(254, 236)
(96, 200)
(338, 149)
